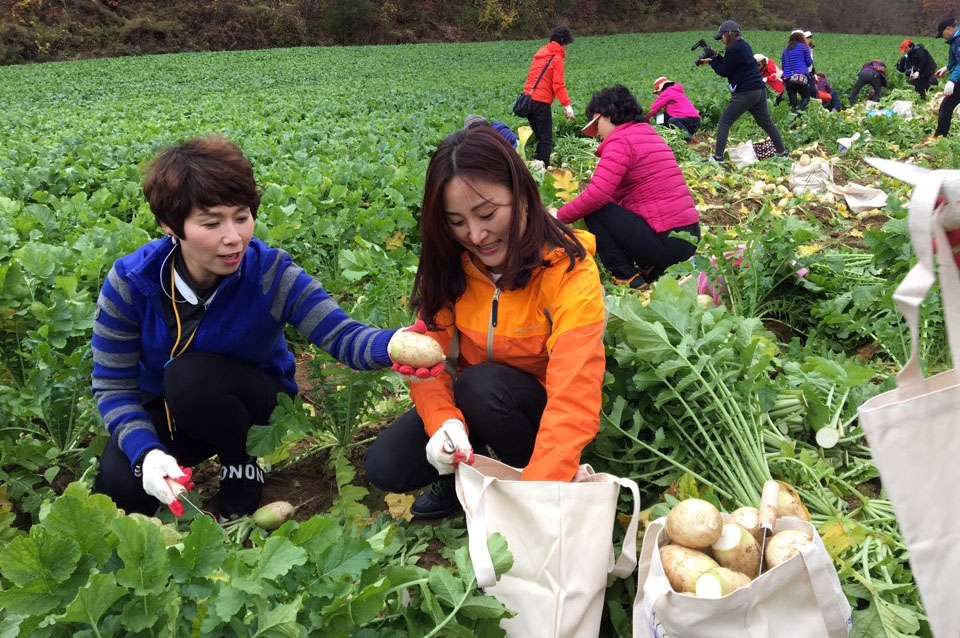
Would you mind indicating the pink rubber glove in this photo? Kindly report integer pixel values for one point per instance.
(410, 373)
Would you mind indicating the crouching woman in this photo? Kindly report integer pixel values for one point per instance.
(637, 198)
(188, 338)
(515, 300)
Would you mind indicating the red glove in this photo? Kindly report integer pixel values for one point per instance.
(177, 485)
(411, 373)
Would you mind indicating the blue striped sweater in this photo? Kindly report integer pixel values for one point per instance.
(245, 320)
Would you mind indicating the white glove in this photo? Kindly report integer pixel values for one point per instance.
(568, 110)
(552, 210)
(914, 75)
(942, 71)
(453, 431)
(156, 466)
(948, 88)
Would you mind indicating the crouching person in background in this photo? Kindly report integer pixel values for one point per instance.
(188, 337)
(637, 198)
(678, 110)
(515, 300)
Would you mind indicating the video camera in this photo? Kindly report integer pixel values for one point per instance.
(708, 52)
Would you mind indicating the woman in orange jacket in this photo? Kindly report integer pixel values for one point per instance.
(514, 298)
(548, 60)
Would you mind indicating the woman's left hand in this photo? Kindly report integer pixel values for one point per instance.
(408, 370)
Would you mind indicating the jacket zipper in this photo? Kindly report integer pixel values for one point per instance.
(493, 323)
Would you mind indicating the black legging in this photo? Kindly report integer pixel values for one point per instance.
(626, 244)
(214, 400)
(502, 407)
(541, 121)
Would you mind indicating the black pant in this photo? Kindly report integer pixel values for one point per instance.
(502, 407)
(626, 244)
(688, 125)
(871, 77)
(541, 121)
(213, 400)
(921, 85)
(756, 103)
(946, 113)
(798, 94)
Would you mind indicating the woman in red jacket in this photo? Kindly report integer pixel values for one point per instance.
(547, 65)
(637, 198)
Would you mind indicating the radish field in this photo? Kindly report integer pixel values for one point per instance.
(339, 139)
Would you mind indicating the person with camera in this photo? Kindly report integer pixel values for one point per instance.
(546, 82)
(749, 95)
(796, 61)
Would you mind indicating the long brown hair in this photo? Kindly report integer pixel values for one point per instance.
(481, 154)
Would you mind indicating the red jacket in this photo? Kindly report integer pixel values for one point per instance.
(638, 171)
(771, 76)
(552, 84)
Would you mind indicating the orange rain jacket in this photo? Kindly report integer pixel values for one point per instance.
(552, 84)
(553, 329)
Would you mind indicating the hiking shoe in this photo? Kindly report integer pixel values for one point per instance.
(713, 159)
(241, 485)
(439, 501)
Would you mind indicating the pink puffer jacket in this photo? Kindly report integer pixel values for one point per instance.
(638, 171)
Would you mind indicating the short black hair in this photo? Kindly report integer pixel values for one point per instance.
(562, 36)
(617, 103)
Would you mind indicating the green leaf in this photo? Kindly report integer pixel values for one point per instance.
(146, 612)
(445, 585)
(278, 556)
(93, 600)
(78, 516)
(480, 606)
(279, 621)
(202, 551)
(145, 565)
(883, 619)
(41, 561)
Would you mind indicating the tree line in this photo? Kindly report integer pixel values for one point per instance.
(46, 30)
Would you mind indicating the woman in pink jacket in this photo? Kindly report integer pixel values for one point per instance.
(677, 107)
(637, 197)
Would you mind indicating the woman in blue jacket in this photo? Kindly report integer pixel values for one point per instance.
(188, 336)
(796, 61)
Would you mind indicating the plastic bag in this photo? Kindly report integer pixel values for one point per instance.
(743, 154)
(858, 197)
(813, 177)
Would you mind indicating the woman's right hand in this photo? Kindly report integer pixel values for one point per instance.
(157, 466)
(449, 446)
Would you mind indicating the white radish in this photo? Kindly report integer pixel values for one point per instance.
(683, 566)
(789, 503)
(694, 523)
(415, 349)
(719, 581)
(749, 519)
(784, 545)
(736, 549)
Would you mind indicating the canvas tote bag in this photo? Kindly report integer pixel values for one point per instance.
(914, 430)
(561, 538)
(800, 598)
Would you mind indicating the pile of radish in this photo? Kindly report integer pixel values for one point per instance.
(710, 554)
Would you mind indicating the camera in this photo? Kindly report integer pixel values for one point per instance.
(708, 52)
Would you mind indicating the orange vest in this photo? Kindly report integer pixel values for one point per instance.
(553, 329)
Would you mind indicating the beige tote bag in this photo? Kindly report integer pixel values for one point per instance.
(798, 598)
(561, 538)
(914, 430)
